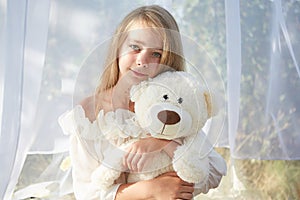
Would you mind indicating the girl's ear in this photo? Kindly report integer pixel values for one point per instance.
(137, 90)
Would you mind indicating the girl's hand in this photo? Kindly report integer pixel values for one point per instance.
(167, 186)
(141, 152)
(170, 186)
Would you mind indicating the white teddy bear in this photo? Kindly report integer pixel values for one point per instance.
(171, 106)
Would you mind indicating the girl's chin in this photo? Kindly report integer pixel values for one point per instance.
(137, 80)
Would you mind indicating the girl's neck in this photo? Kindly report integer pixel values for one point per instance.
(120, 97)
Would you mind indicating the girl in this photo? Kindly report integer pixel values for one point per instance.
(147, 42)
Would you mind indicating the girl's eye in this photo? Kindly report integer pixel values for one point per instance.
(134, 47)
(156, 54)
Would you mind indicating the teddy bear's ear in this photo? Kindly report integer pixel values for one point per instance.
(137, 90)
(211, 103)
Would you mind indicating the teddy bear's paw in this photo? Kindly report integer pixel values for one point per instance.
(192, 171)
(104, 177)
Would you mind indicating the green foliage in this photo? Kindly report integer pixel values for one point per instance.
(270, 89)
(276, 179)
(204, 22)
(270, 83)
(257, 179)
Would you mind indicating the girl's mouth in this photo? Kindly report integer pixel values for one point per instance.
(136, 73)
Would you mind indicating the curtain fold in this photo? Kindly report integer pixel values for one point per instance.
(36, 40)
(234, 57)
(14, 33)
(3, 11)
(25, 34)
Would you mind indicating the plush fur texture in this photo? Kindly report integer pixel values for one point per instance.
(172, 106)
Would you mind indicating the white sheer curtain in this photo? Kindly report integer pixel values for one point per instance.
(24, 29)
(263, 79)
(253, 49)
(14, 15)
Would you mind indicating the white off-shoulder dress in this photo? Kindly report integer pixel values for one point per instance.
(89, 141)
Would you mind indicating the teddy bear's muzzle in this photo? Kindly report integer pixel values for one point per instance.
(168, 117)
(165, 120)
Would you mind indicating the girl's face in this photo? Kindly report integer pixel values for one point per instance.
(140, 54)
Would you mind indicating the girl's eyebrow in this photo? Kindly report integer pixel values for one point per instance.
(139, 42)
(144, 44)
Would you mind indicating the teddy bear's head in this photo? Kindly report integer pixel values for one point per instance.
(172, 105)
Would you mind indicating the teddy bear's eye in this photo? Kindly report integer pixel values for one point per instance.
(166, 97)
(180, 100)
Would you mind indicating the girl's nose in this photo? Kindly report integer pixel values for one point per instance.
(141, 59)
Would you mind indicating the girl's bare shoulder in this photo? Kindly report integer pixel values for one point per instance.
(89, 106)
(93, 104)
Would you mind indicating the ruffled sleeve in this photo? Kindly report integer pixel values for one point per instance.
(75, 122)
(118, 126)
(86, 152)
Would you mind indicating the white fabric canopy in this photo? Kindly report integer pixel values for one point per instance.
(247, 50)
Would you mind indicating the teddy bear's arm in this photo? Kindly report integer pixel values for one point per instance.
(191, 160)
(197, 162)
(217, 169)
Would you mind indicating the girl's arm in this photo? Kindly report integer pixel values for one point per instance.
(166, 186)
(83, 165)
(145, 150)
(217, 165)
(77, 123)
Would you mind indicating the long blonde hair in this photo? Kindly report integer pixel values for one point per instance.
(153, 17)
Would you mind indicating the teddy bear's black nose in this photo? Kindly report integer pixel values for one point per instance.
(168, 117)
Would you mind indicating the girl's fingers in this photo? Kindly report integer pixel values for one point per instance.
(185, 193)
(141, 163)
(140, 160)
(134, 162)
(186, 196)
(187, 184)
(132, 159)
(128, 161)
(187, 189)
(128, 158)
(125, 158)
